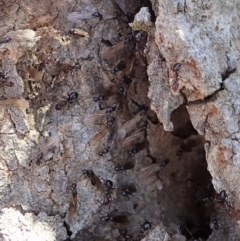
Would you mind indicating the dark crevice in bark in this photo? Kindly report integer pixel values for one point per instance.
(195, 192)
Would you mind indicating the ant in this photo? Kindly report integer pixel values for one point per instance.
(125, 236)
(142, 108)
(96, 117)
(128, 190)
(88, 173)
(132, 152)
(214, 224)
(127, 40)
(129, 17)
(144, 227)
(124, 167)
(141, 39)
(108, 195)
(104, 151)
(39, 158)
(98, 98)
(122, 91)
(2, 97)
(176, 69)
(97, 15)
(118, 168)
(119, 67)
(111, 121)
(67, 226)
(95, 181)
(114, 218)
(164, 163)
(75, 65)
(74, 189)
(5, 40)
(109, 185)
(110, 109)
(137, 148)
(143, 127)
(222, 196)
(73, 202)
(68, 100)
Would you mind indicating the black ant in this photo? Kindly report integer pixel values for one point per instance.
(141, 39)
(94, 118)
(39, 158)
(5, 40)
(108, 185)
(2, 97)
(118, 168)
(122, 91)
(98, 98)
(97, 15)
(132, 152)
(176, 69)
(137, 148)
(114, 218)
(143, 127)
(95, 181)
(119, 67)
(222, 196)
(129, 17)
(104, 151)
(67, 226)
(108, 195)
(128, 190)
(127, 40)
(125, 236)
(142, 108)
(144, 227)
(110, 109)
(76, 66)
(74, 189)
(214, 224)
(164, 163)
(124, 167)
(68, 100)
(111, 121)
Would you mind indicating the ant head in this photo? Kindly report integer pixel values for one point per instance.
(146, 225)
(109, 184)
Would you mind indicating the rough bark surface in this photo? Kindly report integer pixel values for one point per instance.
(184, 122)
(204, 37)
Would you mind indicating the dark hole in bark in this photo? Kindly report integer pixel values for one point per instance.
(188, 199)
(183, 127)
